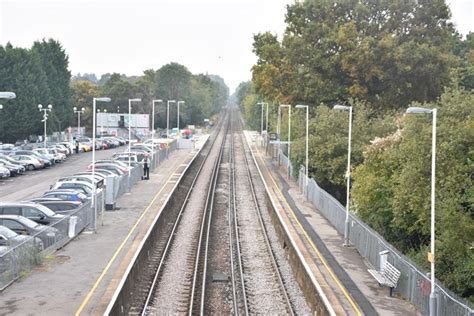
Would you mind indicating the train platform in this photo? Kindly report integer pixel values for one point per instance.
(80, 278)
(354, 290)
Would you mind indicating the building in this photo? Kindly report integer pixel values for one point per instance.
(118, 123)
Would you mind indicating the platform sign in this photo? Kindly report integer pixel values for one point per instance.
(273, 136)
(430, 257)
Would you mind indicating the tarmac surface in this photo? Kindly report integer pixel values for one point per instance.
(35, 183)
(77, 279)
(349, 267)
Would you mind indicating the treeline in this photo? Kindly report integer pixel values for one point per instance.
(38, 75)
(380, 57)
(204, 95)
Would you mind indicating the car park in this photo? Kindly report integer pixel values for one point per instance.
(30, 210)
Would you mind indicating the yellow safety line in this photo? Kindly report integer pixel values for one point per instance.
(331, 272)
(111, 261)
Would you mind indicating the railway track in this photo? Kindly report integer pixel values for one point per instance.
(218, 257)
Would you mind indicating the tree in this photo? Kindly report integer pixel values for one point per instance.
(54, 63)
(392, 188)
(83, 93)
(388, 53)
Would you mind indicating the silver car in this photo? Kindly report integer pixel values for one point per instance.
(4, 172)
(32, 163)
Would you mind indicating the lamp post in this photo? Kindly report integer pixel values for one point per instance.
(434, 112)
(168, 117)
(45, 118)
(289, 136)
(153, 125)
(79, 112)
(130, 135)
(299, 106)
(94, 100)
(348, 173)
(6, 95)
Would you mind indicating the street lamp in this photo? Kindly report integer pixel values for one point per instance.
(168, 117)
(45, 118)
(348, 173)
(7, 95)
(299, 106)
(94, 100)
(434, 112)
(102, 121)
(79, 112)
(289, 136)
(153, 125)
(130, 135)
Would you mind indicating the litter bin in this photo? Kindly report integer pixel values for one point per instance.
(72, 226)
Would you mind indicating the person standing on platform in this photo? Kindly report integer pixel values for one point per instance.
(146, 167)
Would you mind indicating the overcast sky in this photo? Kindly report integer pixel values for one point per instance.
(213, 36)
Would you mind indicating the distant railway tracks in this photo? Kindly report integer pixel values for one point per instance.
(220, 254)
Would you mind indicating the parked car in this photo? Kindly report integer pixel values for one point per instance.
(47, 162)
(67, 195)
(58, 156)
(81, 186)
(24, 226)
(84, 178)
(30, 210)
(113, 161)
(44, 153)
(32, 163)
(61, 207)
(13, 161)
(14, 169)
(4, 172)
(10, 238)
(133, 160)
(142, 147)
(118, 170)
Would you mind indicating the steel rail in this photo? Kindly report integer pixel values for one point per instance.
(158, 271)
(264, 230)
(205, 230)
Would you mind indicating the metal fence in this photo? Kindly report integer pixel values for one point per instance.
(16, 259)
(414, 285)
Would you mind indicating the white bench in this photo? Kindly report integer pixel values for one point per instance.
(387, 276)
